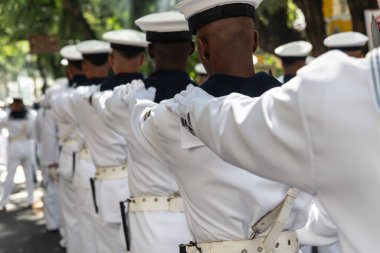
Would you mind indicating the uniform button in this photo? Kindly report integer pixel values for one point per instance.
(244, 251)
(156, 199)
(259, 249)
(277, 245)
(143, 200)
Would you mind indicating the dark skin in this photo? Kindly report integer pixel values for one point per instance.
(171, 55)
(72, 71)
(121, 64)
(93, 71)
(17, 106)
(222, 53)
(291, 69)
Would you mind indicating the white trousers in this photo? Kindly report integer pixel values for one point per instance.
(20, 153)
(70, 216)
(108, 195)
(159, 232)
(51, 201)
(87, 219)
(335, 248)
(108, 237)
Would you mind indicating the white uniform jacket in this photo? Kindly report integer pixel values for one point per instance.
(107, 149)
(221, 201)
(148, 176)
(323, 129)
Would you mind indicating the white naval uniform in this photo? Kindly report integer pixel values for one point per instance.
(68, 148)
(151, 231)
(324, 128)
(47, 137)
(222, 202)
(84, 169)
(20, 152)
(108, 149)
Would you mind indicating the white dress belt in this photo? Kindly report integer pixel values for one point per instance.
(85, 154)
(287, 242)
(114, 172)
(18, 138)
(157, 203)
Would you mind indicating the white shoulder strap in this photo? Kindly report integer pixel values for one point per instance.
(275, 220)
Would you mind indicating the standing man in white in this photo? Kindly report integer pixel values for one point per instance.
(156, 214)
(323, 129)
(95, 67)
(69, 147)
(20, 124)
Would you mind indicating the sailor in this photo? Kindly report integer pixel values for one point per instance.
(293, 57)
(224, 205)
(156, 216)
(201, 72)
(351, 43)
(95, 67)
(126, 58)
(107, 148)
(20, 124)
(47, 137)
(320, 151)
(68, 146)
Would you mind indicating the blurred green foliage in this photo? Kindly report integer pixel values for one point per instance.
(75, 20)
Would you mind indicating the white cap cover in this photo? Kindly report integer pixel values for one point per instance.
(71, 53)
(126, 37)
(200, 13)
(346, 40)
(94, 47)
(165, 27)
(294, 49)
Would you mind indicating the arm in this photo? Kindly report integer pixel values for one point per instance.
(266, 136)
(63, 108)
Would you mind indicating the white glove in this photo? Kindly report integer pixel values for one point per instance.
(136, 91)
(182, 101)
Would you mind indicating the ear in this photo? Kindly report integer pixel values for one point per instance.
(142, 59)
(151, 50)
(256, 38)
(84, 66)
(111, 59)
(192, 48)
(203, 49)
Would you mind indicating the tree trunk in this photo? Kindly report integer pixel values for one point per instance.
(316, 26)
(75, 21)
(275, 32)
(357, 8)
(141, 8)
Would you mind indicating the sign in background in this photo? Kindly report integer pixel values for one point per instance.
(43, 44)
(368, 19)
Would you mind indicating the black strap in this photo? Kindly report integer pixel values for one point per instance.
(93, 190)
(125, 224)
(221, 12)
(169, 37)
(74, 156)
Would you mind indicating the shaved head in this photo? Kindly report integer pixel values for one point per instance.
(226, 46)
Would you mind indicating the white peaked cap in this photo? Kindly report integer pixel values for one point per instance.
(346, 39)
(71, 53)
(294, 49)
(94, 47)
(126, 37)
(192, 7)
(200, 69)
(163, 22)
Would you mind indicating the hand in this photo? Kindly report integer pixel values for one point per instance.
(136, 91)
(182, 101)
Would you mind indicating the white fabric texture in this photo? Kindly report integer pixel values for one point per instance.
(324, 131)
(148, 176)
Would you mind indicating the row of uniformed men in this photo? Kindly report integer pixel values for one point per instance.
(175, 189)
